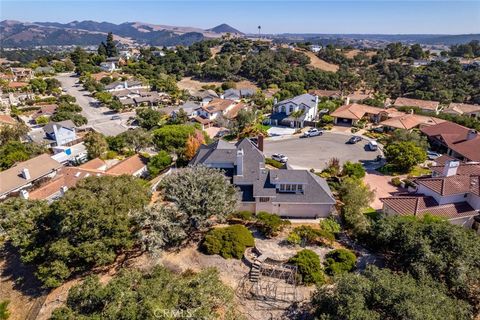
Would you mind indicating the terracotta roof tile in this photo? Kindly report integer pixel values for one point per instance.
(421, 205)
(6, 119)
(128, 166)
(446, 185)
(410, 121)
(355, 111)
(217, 105)
(423, 104)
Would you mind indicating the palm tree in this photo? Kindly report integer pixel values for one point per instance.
(296, 115)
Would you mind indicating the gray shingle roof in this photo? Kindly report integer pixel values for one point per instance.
(306, 99)
(65, 124)
(263, 180)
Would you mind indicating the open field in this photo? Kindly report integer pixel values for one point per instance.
(318, 63)
(194, 86)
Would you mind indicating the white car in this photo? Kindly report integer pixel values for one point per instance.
(280, 157)
(312, 133)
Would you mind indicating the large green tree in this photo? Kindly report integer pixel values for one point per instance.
(430, 248)
(381, 294)
(159, 294)
(356, 196)
(202, 194)
(404, 155)
(86, 228)
(96, 144)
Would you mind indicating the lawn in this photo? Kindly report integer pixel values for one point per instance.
(415, 172)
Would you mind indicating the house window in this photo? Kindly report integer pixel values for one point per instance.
(300, 187)
(264, 199)
(290, 109)
(288, 187)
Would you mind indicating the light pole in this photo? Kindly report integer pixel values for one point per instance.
(259, 28)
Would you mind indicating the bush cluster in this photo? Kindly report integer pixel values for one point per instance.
(228, 242)
(309, 267)
(270, 224)
(340, 261)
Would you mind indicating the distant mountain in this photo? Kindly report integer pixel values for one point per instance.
(25, 34)
(225, 28)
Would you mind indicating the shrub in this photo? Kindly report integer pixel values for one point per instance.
(158, 162)
(330, 225)
(340, 261)
(229, 242)
(242, 215)
(355, 170)
(111, 154)
(42, 120)
(274, 163)
(396, 181)
(294, 239)
(270, 224)
(309, 267)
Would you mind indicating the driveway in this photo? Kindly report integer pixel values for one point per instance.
(99, 118)
(280, 131)
(315, 152)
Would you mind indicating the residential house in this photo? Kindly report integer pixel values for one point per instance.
(357, 97)
(216, 109)
(22, 74)
(237, 94)
(108, 66)
(68, 177)
(191, 108)
(458, 141)
(463, 109)
(351, 114)
(127, 84)
(100, 75)
(454, 194)
(295, 111)
(24, 174)
(423, 105)
(55, 134)
(46, 110)
(7, 120)
(409, 122)
(207, 96)
(287, 193)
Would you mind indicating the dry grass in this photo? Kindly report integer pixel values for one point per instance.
(318, 63)
(195, 86)
(352, 53)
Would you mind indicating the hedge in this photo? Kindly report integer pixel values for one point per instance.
(270, 224)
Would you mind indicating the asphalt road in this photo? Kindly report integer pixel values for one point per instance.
(99, 118)
(315, 152)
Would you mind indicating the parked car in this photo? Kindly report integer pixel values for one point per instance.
(432, 155)
(354, 140)
(280, 157)
(372, 145)
(311, 133)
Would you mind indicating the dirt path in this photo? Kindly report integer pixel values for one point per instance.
(318, 63)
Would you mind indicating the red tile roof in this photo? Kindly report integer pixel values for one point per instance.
(420, 205)
(15, 84)
(422, 104)
(6, 119)
(128, 166)
(462, 140)
(355, 111)
(410, 121)
(465, 169)
(446, 186)
(217, 105)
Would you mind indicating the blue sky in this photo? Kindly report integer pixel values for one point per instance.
(380, 16)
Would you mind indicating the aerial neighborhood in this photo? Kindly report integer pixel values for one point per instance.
(237, 176)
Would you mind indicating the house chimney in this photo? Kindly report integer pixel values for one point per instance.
(411, 111)
(347, 101)
(125, 84)
(240, 162)
(472, 134)
(275, 101)
(260, 142)
(24, 194)
(25, 173)
(63, 189)
(450, 168)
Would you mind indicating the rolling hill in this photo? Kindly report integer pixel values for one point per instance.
(26, 34)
